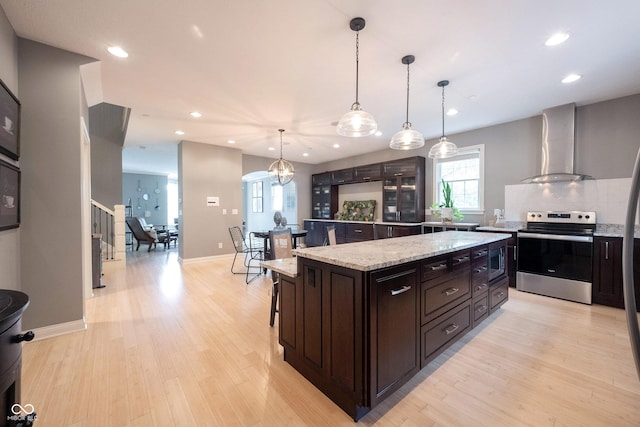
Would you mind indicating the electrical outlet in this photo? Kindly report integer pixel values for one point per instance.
(220, 245)
(234, 211)
(224, 211)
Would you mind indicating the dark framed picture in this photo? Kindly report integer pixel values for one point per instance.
(9, 123)
(9, 196)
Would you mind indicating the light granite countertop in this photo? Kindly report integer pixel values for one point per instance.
(286, 266)
(376, 254)
(493, 228)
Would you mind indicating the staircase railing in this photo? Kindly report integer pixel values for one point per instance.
(110, 224)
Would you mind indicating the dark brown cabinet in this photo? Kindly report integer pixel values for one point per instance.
(342, 176)
(607, 271)
(385, 231)
(358, 232)
(511, 261)
(403, 190)
(324, 196)
(367, 173)
(394, 327)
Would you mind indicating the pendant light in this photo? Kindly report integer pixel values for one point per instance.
(407, 138)
(357, 122)
(444, 148)
(281, 171)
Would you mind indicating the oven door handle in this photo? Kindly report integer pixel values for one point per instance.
(543, 236)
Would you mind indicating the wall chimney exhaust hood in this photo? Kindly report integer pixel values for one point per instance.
(558, 144)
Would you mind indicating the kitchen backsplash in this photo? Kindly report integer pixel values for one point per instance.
(607, 197)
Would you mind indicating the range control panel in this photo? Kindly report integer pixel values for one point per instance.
(566, 217)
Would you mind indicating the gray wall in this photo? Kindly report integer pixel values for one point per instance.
(147, 184)
(107, 137)
(51, 245)
(206, 171)
(9, 239)
(606, 146)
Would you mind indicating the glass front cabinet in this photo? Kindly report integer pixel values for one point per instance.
(403, 190)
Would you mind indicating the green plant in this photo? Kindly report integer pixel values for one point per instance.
(447, 202)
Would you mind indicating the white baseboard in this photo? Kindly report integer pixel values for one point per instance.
(203, 259)
(59, 329)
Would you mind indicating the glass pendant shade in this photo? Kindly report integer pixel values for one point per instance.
(407, 139)
(281, 171)
(357, 122)
(443, 149)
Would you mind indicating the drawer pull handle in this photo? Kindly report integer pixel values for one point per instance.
(479, 287)
(500, 295)
(451, 329)
(481, 253)
(451, 291)
(463, 259)
(357, 230)
(481, 309)
(439, 267)
(366, 178)
(481, 269)
(400, 291)
(28, 336)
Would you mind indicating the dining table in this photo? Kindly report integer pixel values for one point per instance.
(295, 235)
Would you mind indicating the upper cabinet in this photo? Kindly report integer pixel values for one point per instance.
(342, 176)
(411, 166)
(321, 179)
(367, 173)
(324, 196)
(403, 190)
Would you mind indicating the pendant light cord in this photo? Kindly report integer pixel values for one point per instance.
(357, 61)
(280, 130)
(443, 111)
(407, 120)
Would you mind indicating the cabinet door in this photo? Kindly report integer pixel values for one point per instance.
(342, 176)
(394, 327)
(367, 173)
(321, 178)
(607, 271)
(400, 167)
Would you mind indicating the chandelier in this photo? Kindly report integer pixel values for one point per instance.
(281, 171)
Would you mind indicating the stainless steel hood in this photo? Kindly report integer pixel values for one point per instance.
(558, 144)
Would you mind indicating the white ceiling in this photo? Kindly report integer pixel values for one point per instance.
(251, 66)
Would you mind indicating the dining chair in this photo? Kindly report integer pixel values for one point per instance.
(251, 250)
(331, 235)
(281, 247)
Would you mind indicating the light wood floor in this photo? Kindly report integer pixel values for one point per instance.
(188, 345)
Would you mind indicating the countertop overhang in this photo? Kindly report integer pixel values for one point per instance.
(376, 254)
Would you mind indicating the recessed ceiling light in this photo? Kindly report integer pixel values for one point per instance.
(231, 141)
(271, 149)
(452, 112)
(196, 114)
(117, 51)
(336, 145)
(305, 154)
(179, 132)
(378, 133)
(571, 78)
(556, 39)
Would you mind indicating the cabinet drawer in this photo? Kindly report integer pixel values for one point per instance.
(439, 295)
(460, 260)
(478, 254)
(499, 294)
(443, 331)
(479, 278)
(358, 232)
(434, 267)
(480, 309)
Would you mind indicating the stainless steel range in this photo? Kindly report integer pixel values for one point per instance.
(555, 254)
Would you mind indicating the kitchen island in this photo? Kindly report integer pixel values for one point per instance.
(359, 320)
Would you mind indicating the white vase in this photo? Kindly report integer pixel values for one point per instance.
(446, 214)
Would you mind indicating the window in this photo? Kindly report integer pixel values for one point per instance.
(276, 197)
(256, 197)
(465, 174)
